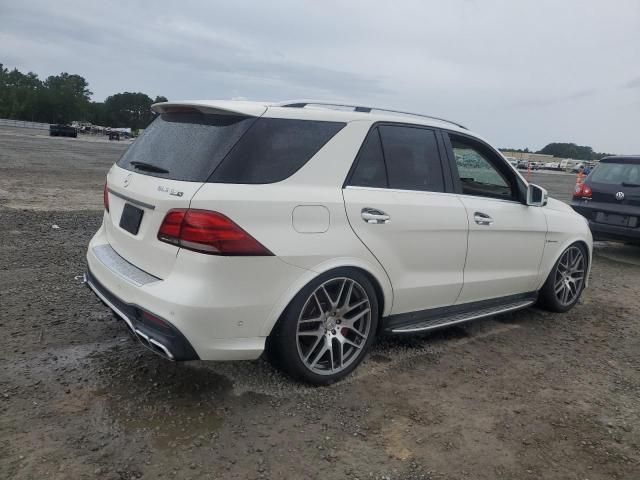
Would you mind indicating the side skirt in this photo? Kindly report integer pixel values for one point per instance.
(425, 320)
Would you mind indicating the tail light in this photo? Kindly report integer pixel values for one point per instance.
(105, 197)
(582, 191)
(208, 232)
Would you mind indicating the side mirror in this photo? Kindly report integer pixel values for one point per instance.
(536, 196)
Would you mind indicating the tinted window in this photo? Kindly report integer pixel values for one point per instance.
(478, 175)
(616, 173)
(274, 149)
(187, 145)
(412, 158)
(370, 170)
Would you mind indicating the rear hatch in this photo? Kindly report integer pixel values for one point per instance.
(615, 197)
(162, 170)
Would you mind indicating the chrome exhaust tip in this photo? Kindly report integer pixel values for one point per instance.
(154, 345)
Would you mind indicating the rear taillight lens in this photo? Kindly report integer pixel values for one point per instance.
(208, 232)
(582, 191)
(105, 197)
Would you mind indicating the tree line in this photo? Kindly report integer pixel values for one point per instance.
(65, 98)
(565, 150)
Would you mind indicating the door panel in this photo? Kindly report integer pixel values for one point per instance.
(506, 237)
(504, 250)
(422, 245)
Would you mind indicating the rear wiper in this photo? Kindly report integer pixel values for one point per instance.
(148, 167)
(629, 184)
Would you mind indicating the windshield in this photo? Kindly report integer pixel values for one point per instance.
(184, 146)
(616, 173)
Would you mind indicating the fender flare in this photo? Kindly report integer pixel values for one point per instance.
(379, 278)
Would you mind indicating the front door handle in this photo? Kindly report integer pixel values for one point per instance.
(482, 218)
(371, 215)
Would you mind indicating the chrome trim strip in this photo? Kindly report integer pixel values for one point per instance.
(118, 265)
(150, 341)
(498, 311)
(132, 200)
(110, 305)
(143, 335)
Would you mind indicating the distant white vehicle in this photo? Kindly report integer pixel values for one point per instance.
(233, 227)
(512, 161)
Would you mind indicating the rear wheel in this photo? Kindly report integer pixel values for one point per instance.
(565, 283)
(327, 329)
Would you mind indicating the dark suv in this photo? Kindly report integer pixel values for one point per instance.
(610, 199)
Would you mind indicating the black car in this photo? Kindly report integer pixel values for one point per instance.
(61, 130)
(610, 199)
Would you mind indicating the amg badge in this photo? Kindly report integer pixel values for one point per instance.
(170, 191)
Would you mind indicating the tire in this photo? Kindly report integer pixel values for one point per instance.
(565, 283)
(327, 329)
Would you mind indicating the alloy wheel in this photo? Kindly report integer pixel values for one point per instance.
(569, 276)
(333, 326)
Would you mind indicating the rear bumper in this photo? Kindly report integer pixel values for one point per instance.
(167, 342)
(603, 231)
(609, 232)
(216, 306)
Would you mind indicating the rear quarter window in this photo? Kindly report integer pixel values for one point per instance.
(273, 149)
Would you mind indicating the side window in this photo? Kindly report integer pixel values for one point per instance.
(274, 149)
(412, 158)
(478, 175)
(370, 170)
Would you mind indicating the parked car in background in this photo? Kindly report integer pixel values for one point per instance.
(609, 199)
(577, 168)
(234, 228)
(61, 130)
(512, 161)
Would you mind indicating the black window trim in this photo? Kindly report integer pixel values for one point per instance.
(503, 167)
(440, 145)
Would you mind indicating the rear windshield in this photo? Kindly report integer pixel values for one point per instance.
(226, 149)
(184, 146)
(616, 174)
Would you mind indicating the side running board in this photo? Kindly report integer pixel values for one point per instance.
(438, 318)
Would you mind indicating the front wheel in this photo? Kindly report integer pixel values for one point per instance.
(327, 328)
(566, 281)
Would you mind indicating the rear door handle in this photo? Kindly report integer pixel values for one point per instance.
(372, 215)
(482, 218)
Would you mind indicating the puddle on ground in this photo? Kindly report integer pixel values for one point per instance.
(182, 424)
(171, 404)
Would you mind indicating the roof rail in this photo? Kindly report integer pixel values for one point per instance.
(358, 108)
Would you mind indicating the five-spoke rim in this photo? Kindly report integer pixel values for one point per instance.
(333, 326)
(569, 276)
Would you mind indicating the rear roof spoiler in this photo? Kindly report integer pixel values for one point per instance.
(220, 107)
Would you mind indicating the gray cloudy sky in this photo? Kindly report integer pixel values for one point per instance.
(521, 73)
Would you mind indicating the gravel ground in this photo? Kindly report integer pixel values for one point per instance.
(525, 395)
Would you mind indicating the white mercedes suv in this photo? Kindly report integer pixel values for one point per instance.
(305, 229)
